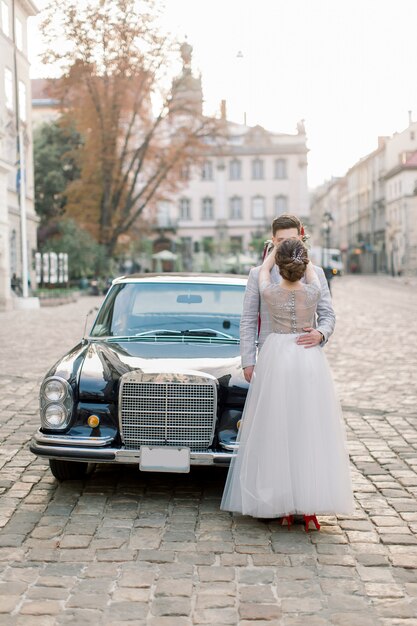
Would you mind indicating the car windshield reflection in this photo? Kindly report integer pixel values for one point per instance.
(171, 312)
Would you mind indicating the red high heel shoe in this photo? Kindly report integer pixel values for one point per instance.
(290, 520)
(311, 518)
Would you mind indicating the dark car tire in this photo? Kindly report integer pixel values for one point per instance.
(68, 470)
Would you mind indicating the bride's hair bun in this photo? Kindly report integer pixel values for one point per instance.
(292, 259)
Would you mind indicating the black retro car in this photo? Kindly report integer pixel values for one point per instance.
(158, 382)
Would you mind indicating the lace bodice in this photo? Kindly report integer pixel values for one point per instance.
(291, 310)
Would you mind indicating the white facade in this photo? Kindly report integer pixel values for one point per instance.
(400, 143)
(245, 177)
(233, 195)
(401, 218)
(401, 201)
(326, 200)
(356, 203)
(14, 100)
(374, 207)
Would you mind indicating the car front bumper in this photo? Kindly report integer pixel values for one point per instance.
(97, 450)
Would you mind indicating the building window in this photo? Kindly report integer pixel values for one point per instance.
(163, 217)
(235, 169)
(207, 171)
(185, 172)
(257, 169)
(5, 23)
(207, 209)
(280, 168)
(236, 208)
(185, 209)
(258, 207)
(19, 33)
(22, 101)
(8, 88)
(280, 205)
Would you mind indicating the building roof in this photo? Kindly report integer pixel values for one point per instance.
(240, 140)
(42, 89)
(408, 162)
(363, 160)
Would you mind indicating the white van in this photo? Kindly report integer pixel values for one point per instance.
(327, 257)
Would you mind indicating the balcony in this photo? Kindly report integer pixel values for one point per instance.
(165, 223)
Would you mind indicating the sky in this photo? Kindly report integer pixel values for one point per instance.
(347, 67)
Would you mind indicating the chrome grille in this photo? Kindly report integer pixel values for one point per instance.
(168, 414)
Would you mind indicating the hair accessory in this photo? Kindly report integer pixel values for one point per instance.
(298, 257)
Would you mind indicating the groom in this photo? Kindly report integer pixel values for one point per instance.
(283, 227)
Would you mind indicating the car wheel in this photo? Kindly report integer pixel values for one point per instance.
(68, 470)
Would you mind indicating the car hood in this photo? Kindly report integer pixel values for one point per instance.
(105, 362)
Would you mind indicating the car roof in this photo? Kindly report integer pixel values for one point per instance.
(182, 277)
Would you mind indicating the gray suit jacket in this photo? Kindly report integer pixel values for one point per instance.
(253, 302)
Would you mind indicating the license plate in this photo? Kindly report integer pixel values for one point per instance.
(164, 459)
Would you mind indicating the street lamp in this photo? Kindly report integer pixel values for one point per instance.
(326, 226)
(25, 302)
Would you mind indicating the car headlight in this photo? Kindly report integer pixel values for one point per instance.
(55, 415)
(54, 390)
(56, 403)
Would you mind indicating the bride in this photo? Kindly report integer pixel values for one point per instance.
(292, 456)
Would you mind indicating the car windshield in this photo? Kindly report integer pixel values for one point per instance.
(171, 311)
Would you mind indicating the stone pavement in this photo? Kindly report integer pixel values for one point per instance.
(128, 548)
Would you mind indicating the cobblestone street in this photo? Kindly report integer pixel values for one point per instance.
(124, 547)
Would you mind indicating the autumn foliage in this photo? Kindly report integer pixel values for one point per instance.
(136, 135)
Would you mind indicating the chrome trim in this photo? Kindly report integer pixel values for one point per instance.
(162, 416)
(70, 440)
(196, 458)
(183, 279)
(98, 455)
(67, 402)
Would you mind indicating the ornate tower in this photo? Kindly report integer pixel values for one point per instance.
(186, 88)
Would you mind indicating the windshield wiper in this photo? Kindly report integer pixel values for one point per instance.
(209, 332)
(158, 331)
(193, 332)
(175, 337)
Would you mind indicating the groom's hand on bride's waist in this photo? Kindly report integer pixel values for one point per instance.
(312, 337)
(247, 372)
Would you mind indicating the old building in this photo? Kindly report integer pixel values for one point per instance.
(374, 207)
(325, 200)
(356, 205)
(15, 122)
(401, 215)
(45, 107)
(227, 201)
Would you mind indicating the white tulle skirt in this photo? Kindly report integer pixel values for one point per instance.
(292, 455)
